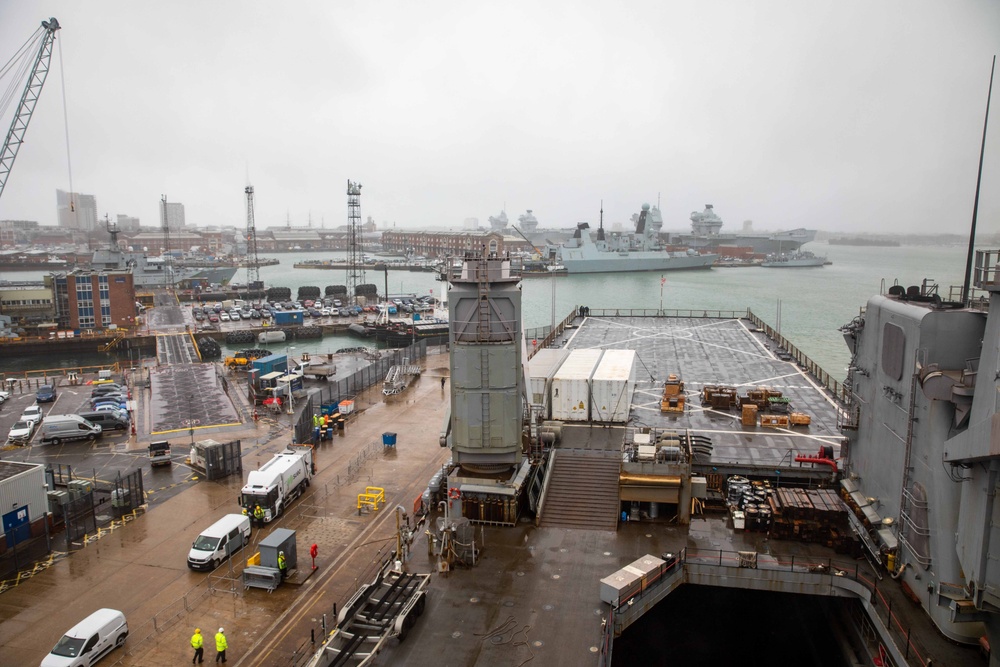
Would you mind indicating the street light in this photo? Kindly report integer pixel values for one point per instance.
(291, 397)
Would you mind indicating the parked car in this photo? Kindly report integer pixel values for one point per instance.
(106, 389)
(224, 316)
(89, 640)
(213, 318)
(235, 316)
(4, 395)
(108, 421)
(46, 393)
(21, 431)
(33, 414)
(116, 410)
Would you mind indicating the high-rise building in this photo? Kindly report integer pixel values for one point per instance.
(174, 212)
(76, 211)
(127, 223)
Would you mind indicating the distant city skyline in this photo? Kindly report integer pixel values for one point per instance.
(848, 118)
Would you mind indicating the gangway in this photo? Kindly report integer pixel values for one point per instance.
(397, 378)
(385, 608)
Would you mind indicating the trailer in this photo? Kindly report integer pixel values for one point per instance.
(385, 608)
(278, 482)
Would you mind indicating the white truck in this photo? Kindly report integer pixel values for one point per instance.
(278, 482)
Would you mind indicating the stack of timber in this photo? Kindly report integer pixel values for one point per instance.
(811, 515)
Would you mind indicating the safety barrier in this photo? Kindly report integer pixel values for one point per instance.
(372, 496)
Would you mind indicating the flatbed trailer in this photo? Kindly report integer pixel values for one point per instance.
(385, 608)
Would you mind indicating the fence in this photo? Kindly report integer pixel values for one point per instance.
(352, 385)
(857, 571)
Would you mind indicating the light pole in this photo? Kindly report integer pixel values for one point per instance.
(291, 397)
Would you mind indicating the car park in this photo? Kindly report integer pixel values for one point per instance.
(46, 393)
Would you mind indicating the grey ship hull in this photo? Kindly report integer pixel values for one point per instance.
(789, 241)
(580, 261)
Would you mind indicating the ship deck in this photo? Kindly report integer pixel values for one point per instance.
(732, 352)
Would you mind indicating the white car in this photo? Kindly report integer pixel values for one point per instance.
(33, 414)
(224, 316)
(4, 395)
(21, 430)
(235, 316)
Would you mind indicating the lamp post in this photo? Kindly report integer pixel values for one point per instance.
(291, 397)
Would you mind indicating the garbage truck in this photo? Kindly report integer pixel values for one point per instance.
(278, 482)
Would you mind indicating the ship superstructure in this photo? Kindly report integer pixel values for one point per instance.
(923, 462)
(706, 232)
(149, 272)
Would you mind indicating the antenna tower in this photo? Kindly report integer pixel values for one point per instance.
(253, 262)
(355, 254)
(168, 274)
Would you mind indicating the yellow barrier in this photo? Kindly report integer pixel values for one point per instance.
(372, 496)
(254, 560)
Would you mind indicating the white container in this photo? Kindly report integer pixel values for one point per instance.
(271, 337)
(612, 386)
(630, 580)
(541, 368)
(571, 385)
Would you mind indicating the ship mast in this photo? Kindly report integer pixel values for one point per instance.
(979, 181)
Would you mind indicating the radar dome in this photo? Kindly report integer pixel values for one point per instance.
(645, 207)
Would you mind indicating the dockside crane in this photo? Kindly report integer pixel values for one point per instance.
(36, 79)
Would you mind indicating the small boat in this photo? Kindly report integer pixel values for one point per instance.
(793, 260)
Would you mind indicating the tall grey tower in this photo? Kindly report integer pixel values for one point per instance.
(487, 381)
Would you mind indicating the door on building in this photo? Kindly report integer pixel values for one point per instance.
(16, 526)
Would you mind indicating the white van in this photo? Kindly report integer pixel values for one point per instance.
(59, 428)
(89, 640)
(218, 542)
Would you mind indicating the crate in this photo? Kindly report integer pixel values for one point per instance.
(749, 414)
(774, 421)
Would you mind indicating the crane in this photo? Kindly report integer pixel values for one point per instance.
(18, 126)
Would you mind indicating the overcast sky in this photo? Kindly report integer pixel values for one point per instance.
(841, 116)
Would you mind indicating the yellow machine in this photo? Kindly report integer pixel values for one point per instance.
(236, 362)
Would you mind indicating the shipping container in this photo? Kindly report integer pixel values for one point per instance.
(288, 317)
(270, 364)
(541, 367)
(612, 386)
(571, 385)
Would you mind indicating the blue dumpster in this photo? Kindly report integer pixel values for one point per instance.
(389, 439)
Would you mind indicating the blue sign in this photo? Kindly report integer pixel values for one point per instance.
(16, 526)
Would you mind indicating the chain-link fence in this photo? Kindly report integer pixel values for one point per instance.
(354, 384)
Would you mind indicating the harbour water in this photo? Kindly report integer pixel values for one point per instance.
(808, 305)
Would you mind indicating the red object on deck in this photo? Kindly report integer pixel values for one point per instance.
(819, 458)
(313, 550)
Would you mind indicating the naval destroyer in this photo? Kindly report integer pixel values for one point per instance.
(615, 252)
